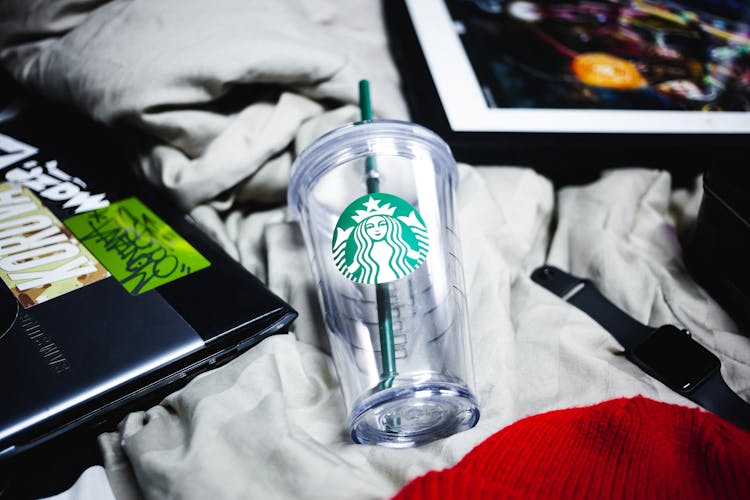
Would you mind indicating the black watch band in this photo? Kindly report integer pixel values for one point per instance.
(666, 353)
(585, 296)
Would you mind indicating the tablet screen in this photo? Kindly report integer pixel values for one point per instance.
(588, 66)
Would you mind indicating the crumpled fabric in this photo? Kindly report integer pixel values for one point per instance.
(272, 424)
(216, 91)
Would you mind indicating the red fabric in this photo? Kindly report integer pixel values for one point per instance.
(625, 448)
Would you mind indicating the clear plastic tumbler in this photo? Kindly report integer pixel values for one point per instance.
(375, 204)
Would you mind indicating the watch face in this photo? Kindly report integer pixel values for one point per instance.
(673, 357)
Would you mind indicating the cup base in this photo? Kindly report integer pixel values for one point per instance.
(406, 416)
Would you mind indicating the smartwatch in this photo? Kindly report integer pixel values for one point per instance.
(667, 353)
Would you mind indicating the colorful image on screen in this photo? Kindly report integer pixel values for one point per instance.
(617, 54)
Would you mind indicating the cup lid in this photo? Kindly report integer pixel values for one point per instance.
(357, 140)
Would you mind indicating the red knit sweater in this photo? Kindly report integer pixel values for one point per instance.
(625, 448)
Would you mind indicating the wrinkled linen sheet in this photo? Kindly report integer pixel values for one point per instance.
(218, 90)
(271, 424)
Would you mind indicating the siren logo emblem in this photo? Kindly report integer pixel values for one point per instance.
(379, 238)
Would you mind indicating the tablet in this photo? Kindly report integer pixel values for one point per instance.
(590, 74)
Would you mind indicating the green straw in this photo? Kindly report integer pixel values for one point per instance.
(382, 295)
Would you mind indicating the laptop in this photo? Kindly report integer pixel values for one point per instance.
(110, 295)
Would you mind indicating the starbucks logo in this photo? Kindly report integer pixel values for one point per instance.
(379, 238)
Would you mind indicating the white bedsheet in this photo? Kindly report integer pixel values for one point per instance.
(271, 424)
(217, 89)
